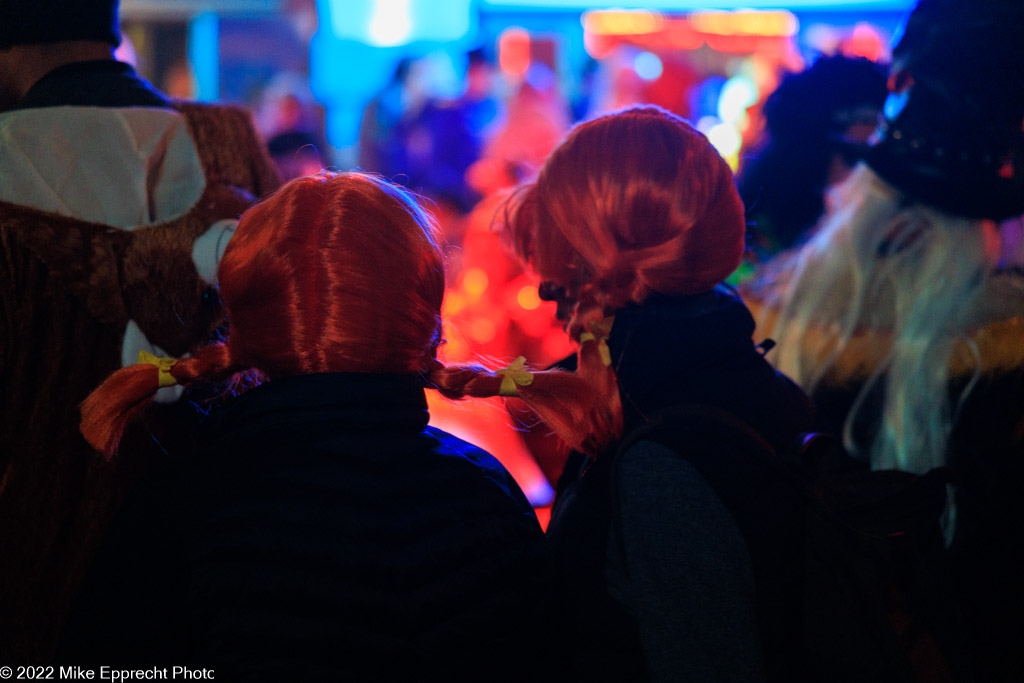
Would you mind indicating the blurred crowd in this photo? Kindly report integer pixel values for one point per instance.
(544, 388)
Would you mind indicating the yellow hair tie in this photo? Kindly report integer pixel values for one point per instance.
(163, 365)
(513, 377)
(602, 347)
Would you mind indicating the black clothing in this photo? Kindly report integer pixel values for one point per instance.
(99, 83)
(986, 456)
(699, 349)
(673, 351)
(326, 534)
(54, 21)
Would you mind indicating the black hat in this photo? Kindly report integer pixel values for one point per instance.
(817, 106)
(28, 22)
(953, 134)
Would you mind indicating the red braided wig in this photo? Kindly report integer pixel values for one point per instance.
(333, 273)
(629, 204)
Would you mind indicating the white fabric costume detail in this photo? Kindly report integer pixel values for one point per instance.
(128, 167)
(209, 247)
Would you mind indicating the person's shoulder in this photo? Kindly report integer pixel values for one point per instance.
(457, 450)
(475, 464)
(648, 453)
(651, 465)
(213, 113)
(648, 467)
(662, 494)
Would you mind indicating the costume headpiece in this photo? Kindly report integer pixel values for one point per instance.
(29, 22)
(953, 134)
(816, 107)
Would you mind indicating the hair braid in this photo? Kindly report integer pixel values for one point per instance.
(567, 402)
(108, 410)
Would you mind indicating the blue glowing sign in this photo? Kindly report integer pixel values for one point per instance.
(390, 23)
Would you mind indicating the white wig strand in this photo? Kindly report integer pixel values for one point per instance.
(910, 275)
(834, 280)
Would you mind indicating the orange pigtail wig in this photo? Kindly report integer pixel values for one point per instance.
(565, 401)
(333, 273)
(630, 204)
(108, 410)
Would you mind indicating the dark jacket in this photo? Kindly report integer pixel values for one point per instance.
(986, 458)
(669, 583)
(327, 534)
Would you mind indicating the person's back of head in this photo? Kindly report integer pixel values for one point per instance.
(334, 273)
(43, 22)
(816, 121)
(817, 105)
(630, 204)
(37, 37)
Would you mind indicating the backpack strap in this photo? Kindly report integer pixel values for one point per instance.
(759, 486)
(718, 444)
(766, 492)
(698, 418)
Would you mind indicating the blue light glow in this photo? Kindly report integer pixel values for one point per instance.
(738, 93)
(648, 66)
(204, 55)
(390, 23)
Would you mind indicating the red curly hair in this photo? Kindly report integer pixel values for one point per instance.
(630, 204)
(333, 273)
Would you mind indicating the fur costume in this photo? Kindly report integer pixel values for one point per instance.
(69, 290)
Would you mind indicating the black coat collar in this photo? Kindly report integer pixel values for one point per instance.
(700, 349)
(327, 403)
(98, 83)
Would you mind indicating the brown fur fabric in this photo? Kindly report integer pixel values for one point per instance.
(67, 290)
